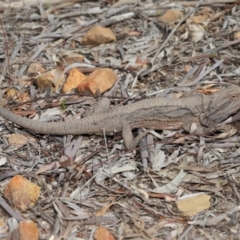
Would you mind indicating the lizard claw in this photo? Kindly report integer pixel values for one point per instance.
(206, 121)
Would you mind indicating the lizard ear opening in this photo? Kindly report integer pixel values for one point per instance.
(233, 97)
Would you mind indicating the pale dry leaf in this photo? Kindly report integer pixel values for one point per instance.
(159, 159)
(48, 167)
(171, 186)
(3, 160)
(192, 204)
(142, 192)
(104, 172)
(171, 16)
(196, 30)
(120, 167)
(193, 128)
(124, 2)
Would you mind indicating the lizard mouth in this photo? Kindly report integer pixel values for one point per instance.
(209, 121)
(233, 118)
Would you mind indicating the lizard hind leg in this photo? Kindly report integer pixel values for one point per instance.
(129, 141)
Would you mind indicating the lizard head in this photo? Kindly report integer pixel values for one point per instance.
(223, 104)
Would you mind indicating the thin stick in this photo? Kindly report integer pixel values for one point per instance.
(6, 46)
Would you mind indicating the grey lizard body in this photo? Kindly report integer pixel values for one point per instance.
(157, 113)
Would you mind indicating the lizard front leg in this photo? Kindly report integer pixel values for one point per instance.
(206, 126)
(102, 106)
(198, 129)
(206, 121)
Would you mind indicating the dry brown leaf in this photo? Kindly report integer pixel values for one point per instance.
(134, 33)
(12, 93)
(98, 35)
(206, 11)
(75, 77)
(21, 192)
(45, 81)
(236, 35)
(48, 167)
(104, 209)
(197, 24)
(192, 204)
(24, 97)
(143, 62)
(53, 79)
(73, 58)
(187, 68)
(102, 233)
(21, 97)
(203, 16)
(35, 68)
(98, 82)
(24, 82)
(19, 140)
(3, 227)
(171, 16)
(180, 140)
(208, 90)
(28, 230)
(59, 77)
(65, 161)
(198, 19)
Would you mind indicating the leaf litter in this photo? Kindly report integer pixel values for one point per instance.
(91, 186)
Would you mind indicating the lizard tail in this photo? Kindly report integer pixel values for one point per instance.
(57, 128)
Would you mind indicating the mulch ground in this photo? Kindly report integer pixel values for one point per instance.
(175, 184)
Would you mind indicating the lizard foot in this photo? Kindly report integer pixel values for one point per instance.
(129, 141)
(225, 131)
(135, 140)
(206, 121)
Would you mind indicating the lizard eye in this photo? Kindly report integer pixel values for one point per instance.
(233, 97)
